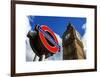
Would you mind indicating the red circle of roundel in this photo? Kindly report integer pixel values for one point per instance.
(52, 49)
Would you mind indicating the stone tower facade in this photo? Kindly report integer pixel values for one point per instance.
(72, 44)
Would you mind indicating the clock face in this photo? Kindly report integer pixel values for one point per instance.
(67, 36)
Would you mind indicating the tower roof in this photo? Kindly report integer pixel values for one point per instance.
(70, 26)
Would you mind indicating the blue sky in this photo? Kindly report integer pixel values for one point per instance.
(58, 24)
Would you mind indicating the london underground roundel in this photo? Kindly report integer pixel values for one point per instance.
(49, 39)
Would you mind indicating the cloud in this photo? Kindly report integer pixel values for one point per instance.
(84, 26)
(29, 53)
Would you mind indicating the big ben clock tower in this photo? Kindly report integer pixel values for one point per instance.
(72, 44)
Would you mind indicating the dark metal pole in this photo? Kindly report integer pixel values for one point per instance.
(34, 58)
